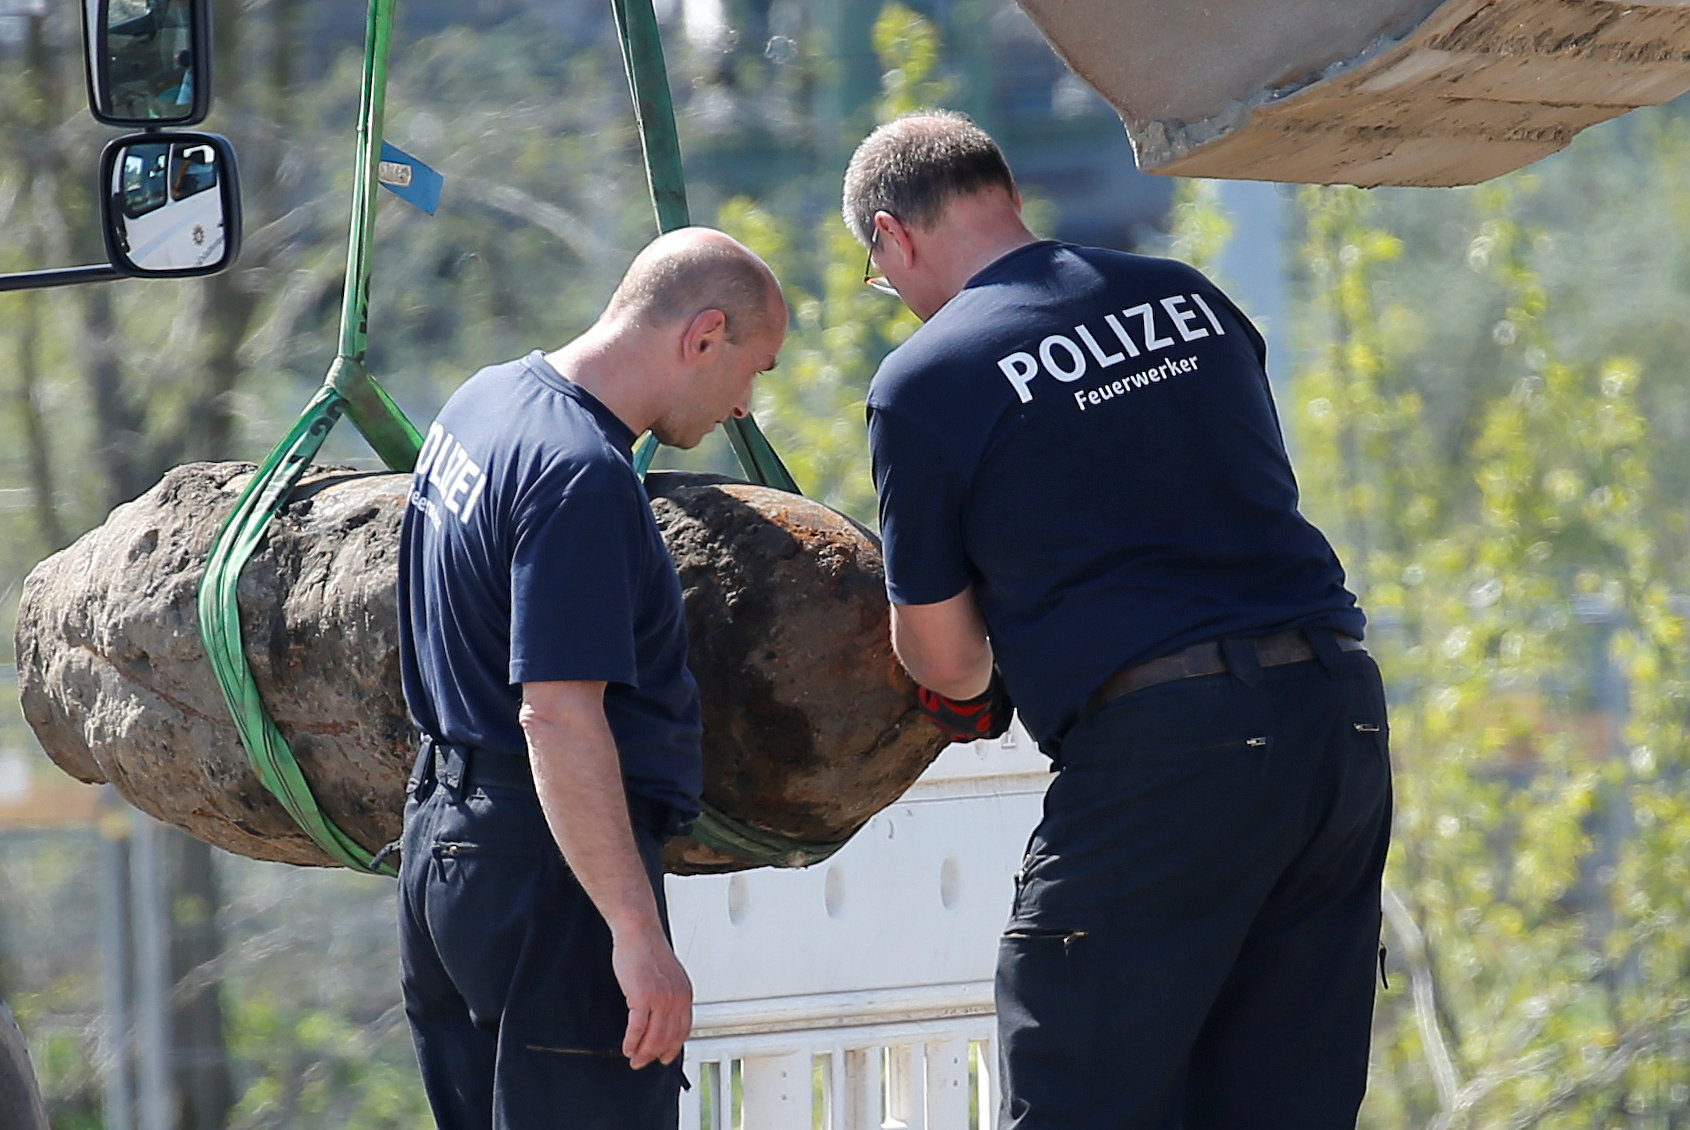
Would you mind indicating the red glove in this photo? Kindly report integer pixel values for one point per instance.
(986, 715)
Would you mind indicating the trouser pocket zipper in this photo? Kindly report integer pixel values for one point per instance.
(1053, 933)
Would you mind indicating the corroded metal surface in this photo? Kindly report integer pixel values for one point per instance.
(811, 725)
(1367, 92)
(117, 687)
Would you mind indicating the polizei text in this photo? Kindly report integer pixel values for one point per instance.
(1147, 328)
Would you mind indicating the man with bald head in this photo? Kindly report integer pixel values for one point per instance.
(1087, 508)
(543, 651)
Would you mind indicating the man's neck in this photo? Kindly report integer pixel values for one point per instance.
(987, 250)
(975, 232)
(601, 362)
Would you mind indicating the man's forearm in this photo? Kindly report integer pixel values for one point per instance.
(578, 776)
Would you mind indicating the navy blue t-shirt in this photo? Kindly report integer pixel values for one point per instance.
(1087, 438)
(529, 554)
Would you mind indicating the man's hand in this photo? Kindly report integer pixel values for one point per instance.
(659, 998)
(986, 715)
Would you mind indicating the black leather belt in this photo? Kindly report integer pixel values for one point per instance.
(1208, 658)
(461, 768)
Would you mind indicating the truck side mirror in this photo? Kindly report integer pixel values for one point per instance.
(170, 204)
(149, 61)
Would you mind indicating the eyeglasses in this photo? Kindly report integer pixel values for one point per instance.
(870, 279)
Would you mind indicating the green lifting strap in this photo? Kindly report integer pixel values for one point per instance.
(654, 113)
(348, 389)
(394, 437)
(220, 627)
(716, 829)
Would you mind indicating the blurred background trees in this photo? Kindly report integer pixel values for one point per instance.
(1489, 413)
(1509, 499)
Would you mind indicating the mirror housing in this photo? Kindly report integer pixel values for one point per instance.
(149, 61)
(170, 204)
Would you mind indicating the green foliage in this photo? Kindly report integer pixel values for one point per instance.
(317, 1068)
(315, 1028)
(1512, 570)
(50, 982)
(908, 47)
(1201, 225)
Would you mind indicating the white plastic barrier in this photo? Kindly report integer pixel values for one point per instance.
(857, 994)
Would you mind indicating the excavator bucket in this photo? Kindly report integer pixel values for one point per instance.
(1366, 92)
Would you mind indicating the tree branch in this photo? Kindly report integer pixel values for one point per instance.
(1422, 982)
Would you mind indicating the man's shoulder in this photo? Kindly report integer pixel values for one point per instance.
(491, 402)
(956, 334)
(532, 431)
(1001, 305)
(1133, 265)
(920, 363)
(581, 463)
(490, 381)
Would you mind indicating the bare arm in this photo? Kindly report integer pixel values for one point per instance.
(578, 777)
(944, 646)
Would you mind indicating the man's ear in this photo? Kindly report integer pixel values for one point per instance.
(704, 334)
(894, 237)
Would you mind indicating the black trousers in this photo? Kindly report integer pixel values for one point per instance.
(1195, 933)
(515, 1012)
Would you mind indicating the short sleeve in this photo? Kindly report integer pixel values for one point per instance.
(921, 502)
(573, 576)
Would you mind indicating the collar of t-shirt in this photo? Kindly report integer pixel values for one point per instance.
(1006, 262)
(609, 422)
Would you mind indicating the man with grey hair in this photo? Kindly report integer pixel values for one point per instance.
(1087, 509)
(544, 658)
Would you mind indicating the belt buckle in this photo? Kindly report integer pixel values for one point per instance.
(448, 770)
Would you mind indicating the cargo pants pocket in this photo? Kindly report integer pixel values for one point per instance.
(1049, 1015)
